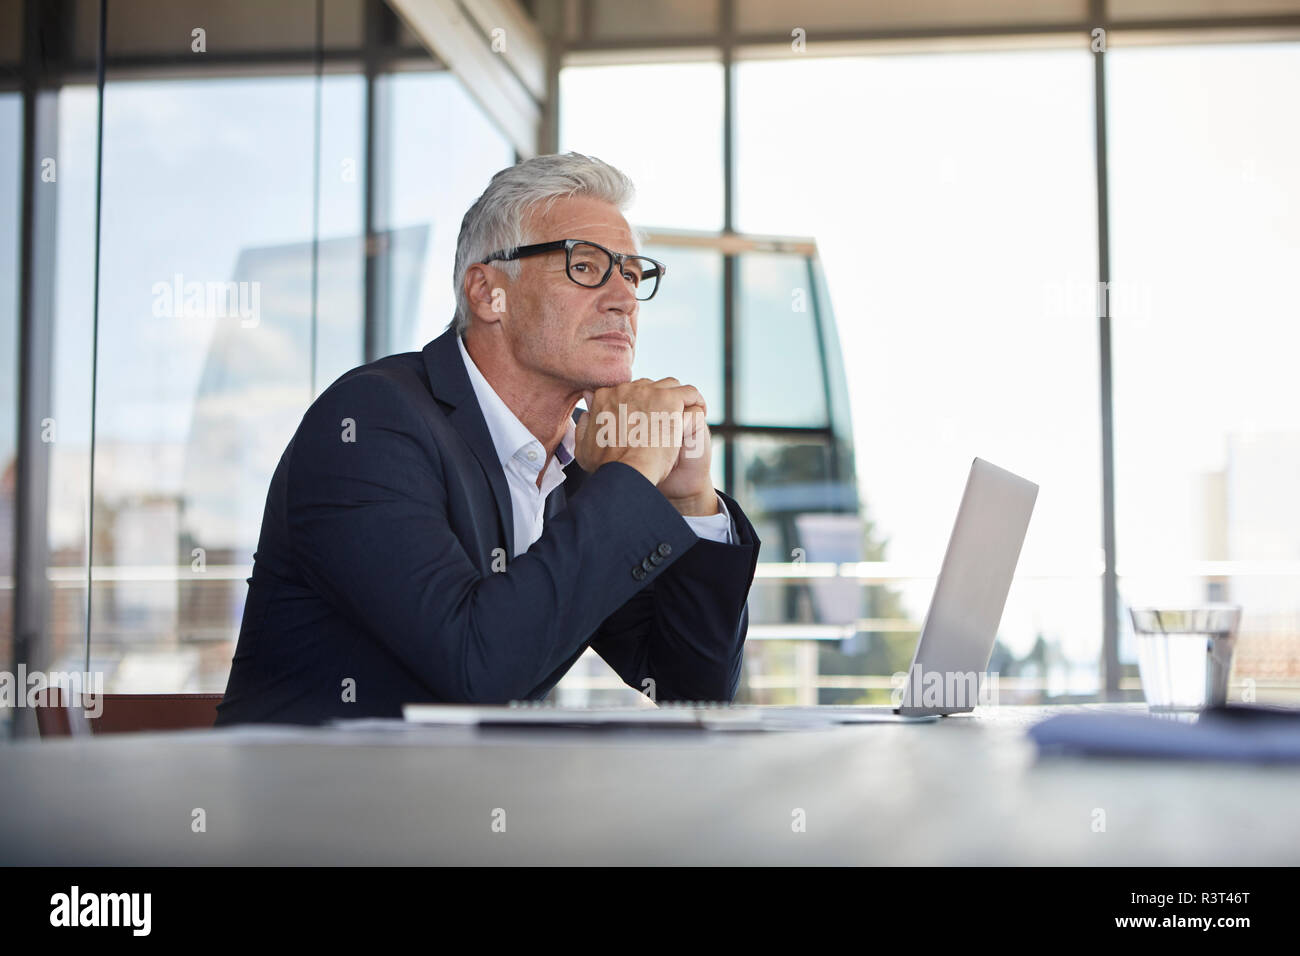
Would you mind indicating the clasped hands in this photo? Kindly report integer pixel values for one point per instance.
(660, 428)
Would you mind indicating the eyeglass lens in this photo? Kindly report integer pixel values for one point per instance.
(589, 264)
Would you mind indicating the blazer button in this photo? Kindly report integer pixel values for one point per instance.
(665, 549)
(638, 573)
(646, 565)
(655, 559)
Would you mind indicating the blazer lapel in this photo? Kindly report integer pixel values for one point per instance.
(450, 384)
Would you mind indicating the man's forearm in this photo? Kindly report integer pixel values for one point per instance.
(684, 638)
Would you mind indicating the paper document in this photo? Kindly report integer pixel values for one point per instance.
(664, 716)
(701, 717)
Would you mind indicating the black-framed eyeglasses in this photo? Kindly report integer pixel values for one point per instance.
(590, 264)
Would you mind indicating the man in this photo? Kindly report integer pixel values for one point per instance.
(440, 529)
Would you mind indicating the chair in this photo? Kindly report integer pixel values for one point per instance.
(125, 713)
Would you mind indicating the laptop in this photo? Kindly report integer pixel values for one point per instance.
(952, 655)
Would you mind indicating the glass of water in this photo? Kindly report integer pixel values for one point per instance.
(1185, 656)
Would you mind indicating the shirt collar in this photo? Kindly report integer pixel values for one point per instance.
(510, 436)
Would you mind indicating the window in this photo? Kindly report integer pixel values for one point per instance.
(72, 366)
(1205, 173)
(953, 207)
(233, 268)
(679, 332)
(11, 164)
(210, 347)
(638, 118)
(429, 185)
(930, 230)
(780, 373)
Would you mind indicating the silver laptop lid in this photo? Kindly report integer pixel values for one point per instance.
(971, 592)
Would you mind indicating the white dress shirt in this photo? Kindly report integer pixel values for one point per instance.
(523, 457)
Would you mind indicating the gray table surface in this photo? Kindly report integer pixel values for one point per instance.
(963, 790)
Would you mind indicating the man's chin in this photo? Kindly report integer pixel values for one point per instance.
(605, 381)
(602, 374)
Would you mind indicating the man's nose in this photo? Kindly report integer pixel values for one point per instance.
(623, 293)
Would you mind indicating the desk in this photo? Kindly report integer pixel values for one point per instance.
(963, 790)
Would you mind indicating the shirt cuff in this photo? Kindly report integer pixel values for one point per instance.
(718, 527)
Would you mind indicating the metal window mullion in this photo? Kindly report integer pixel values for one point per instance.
(1110, 670)
(727, 21)
(375, 330)
(100, 76)
(30, 613)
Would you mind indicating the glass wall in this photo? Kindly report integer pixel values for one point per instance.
(11, 164)
(233, 269)
(208, 334)
(428, 186)
(72, 366)
(767, 358)
(1205, 172)
(953, 208)
(670, 143)
(952, 198)
(886, 282)
(686, 309)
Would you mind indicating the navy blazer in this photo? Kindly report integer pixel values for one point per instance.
(384, 576)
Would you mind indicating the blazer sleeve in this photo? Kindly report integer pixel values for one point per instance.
(369, 525)
(682, 638)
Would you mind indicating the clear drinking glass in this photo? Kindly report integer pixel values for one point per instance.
(1185, 656)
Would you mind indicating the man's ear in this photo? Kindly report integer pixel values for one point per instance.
(486, 293)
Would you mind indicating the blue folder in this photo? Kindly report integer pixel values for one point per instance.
(1241, 732)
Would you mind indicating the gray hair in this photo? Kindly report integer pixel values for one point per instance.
(496, 220)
